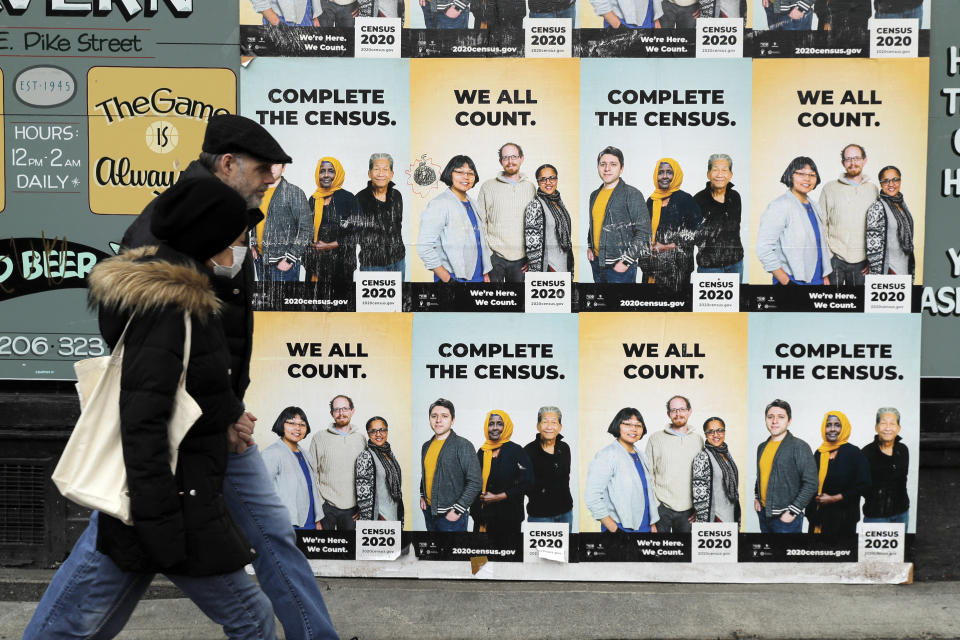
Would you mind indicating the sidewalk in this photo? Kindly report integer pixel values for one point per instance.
(396, 609)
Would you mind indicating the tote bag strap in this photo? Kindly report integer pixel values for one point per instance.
(187, 342)
(117, 352)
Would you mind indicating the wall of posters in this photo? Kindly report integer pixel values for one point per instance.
(725, 154)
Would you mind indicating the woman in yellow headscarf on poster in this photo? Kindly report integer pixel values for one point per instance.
(844, 475)
(331, 256)
(507, 476)
(674, 218)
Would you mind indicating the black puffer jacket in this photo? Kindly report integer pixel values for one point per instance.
(236, 312)
(180, 521)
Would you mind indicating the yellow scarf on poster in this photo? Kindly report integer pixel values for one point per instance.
(490, 446)
(659, 195)
(320, 194)
(827, 448)
(264, 208)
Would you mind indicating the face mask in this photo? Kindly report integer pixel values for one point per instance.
(239, 253)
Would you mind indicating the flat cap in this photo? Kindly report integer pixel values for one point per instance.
(230, 133)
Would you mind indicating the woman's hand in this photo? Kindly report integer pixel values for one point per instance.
(656, 24)
(659, 247)
(452, 516)
(319, 526)
(826, 498)
(487, 497)
(653, 528)
(826, 279)
(590, 255)
(620, 267)
(423, 504)
(612, 19)
(316, 22)
(780, 275)
(320, 245)
(444, 276)
(787, 517)
(609, 524)
(757, 506)
(271, 16)
(486, 277)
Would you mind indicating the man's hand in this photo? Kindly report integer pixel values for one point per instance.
(620, 267)
(284, 265)
(452, 12)
(452, 516)
(796, 14)
(787, 517)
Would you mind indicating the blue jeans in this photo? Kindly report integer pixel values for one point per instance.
(462, 21)
(900, 517)
(736, 267)
(399, 265)
(569, 12)
(776, 525)
(563, 517)
(429, 17)
(290, 275)
(440, 523)
(90, 597)
(784, 22)
(607, 275)
(916, 12)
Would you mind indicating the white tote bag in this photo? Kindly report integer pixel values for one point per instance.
(91, 470)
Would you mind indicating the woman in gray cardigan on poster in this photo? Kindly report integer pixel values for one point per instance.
(292, 473)
(619, 489)
(791, 243)
(452, 240)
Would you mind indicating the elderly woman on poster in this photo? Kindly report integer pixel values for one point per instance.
(380, 225)
(506, 476)
(886, 500)
(331, 258)
(890, 231)
(619, 489)
(715, 479)
(378, 476)
(547, 225)
(843, 476)
(452, 240)
(719, 249)
(293, 474)
(791, 244)
(549, 497)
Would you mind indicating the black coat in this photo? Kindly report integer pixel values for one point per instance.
(887, 495)
(180, 522)
(380, 227)
(236, 312)
(335, 267)
(550, 493)
(510, 472)
(718, 236)
(847, 474)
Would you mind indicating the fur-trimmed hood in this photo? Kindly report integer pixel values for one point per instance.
(148, 278)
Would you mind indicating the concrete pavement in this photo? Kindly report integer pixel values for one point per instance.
(397, 609)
